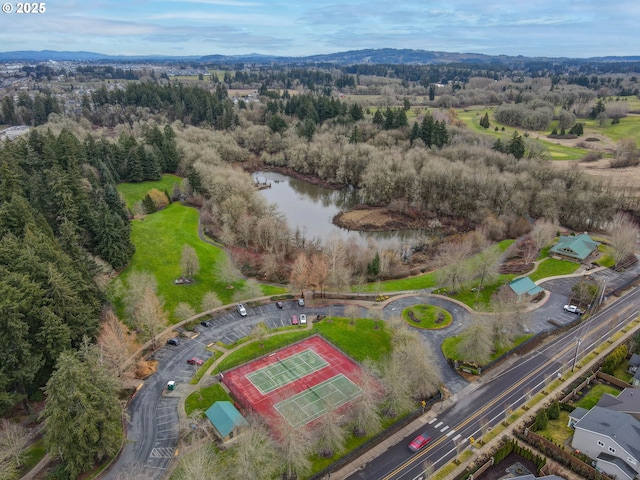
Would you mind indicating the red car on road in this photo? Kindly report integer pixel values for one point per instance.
(195, 361)
(419, 442)
(294, 320)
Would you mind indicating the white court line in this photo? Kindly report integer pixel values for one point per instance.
(439, 423)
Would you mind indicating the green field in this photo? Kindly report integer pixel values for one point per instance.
(552, 268)
(427, 316)
(159, 239)
(629, 127)
(204, 398)
(135, 192)
(592, 396)
(471, 117)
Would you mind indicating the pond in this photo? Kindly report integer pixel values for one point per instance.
(311, 208)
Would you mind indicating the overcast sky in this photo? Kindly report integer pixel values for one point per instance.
(572, 28)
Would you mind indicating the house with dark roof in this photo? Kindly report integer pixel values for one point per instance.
(610, 438)
(524, 285)
(575, 247)
(227, 421)
(627, 401)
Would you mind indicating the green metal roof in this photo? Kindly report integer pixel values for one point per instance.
(524, 285)
(225, 417)
(578, 246)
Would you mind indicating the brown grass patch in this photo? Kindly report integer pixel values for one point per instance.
(146, 368)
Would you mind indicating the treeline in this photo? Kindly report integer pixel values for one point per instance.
(28, 110)
(57, 215)
(191, 105)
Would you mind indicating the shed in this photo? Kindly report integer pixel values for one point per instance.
(524, 285)
(226, 419)
(576, 247)
(634, 363)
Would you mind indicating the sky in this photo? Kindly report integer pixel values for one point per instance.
(552, 28)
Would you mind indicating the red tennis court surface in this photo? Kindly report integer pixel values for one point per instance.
(289, 374)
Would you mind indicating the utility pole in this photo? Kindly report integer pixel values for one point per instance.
(575, 358)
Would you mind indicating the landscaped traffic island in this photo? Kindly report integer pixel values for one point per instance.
(427, 316)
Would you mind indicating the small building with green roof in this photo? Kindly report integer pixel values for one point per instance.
(575, 247)
(227, 421)
(523, 286)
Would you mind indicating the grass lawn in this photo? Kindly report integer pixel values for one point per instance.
(427, 316)
(479, 299)
(591, 398)
(204, 398)
(552, 268)
(135, 192)
(359, 341)
(621, 372)
(557, 430)
(159, 239)
(629, 127)
(606, 257)
(426, 280)
(253, 350)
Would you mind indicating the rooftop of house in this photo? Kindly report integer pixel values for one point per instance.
(627, 401)
(620, 427)
(225, 417)
(575, 246)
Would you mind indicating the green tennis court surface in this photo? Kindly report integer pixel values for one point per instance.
(285, 371)
(315, 401)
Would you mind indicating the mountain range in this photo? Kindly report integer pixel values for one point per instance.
(366, 56)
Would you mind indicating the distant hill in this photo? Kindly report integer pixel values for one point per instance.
(366, 56)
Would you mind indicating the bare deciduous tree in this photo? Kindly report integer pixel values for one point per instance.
(299, 277)
(225, 271)
(294, 446)
(14, 437)
(150, 315)
(252, 456)
(183, 311)
(624, 237)
(318, 271)
(200, 464)
(114, 343)
(138, 283)
(543, 233)
(330, 435)
(476, 344)
(484, 266)
(509, 316)
(352, 311)
(454, 271)
(259, 333)
(250, 289)
(189, 263)
(210, 301)
(364, 411)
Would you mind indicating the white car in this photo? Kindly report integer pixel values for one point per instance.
(241, 310)
(573, 309)
(301, 302)
(303, 319)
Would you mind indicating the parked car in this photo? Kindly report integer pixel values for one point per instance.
(173, 341)
(303, 319)
(205, 323)
(241, 310)
(301, 302)
(419, 442)
(195, 361)
(573, 309)
(279, 305)
(294, 320)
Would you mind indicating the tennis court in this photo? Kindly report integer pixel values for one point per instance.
(286, 370)
(315, 401)
(300, 382)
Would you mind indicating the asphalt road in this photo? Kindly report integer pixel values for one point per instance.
(152, 432)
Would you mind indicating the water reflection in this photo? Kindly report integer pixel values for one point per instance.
(311, 208)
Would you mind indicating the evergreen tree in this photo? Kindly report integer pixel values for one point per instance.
(415, 133)
(516, 146)
(484, 121)
(378, 119)
(148, 204)
(426, 129)
(82, 412)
